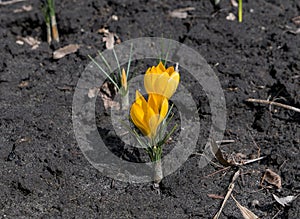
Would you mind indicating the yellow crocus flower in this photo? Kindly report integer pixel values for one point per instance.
(162, 81)
(147, 115)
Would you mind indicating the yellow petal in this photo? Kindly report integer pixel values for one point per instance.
(149, 80)
(137, 116)
(160, 68)
(161, 84)
(164, 110)
(170, 70)
(152, 101)
(139, 99)
(175, 76)
(153, 124)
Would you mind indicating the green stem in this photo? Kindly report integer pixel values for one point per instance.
(240, 10)
(125, 101)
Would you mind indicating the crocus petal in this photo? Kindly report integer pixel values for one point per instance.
(153, 124)
(160, 68)
(139, 99)
(164, 110)
(170, 70)
(161, 84)
(149, 80)
(137, 117)
(175, 76)
(153, 103)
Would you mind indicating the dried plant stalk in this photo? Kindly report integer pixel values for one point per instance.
(273, 103)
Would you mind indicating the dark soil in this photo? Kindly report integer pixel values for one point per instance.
(43, 172)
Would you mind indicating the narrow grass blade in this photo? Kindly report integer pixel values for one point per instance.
(107, 75)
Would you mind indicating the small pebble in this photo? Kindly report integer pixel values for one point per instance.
(20, 42)
(115, 17)
(255, 203)
(231, 17)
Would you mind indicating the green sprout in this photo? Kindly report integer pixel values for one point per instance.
(240, 13)
(119, 79)
(48, 10)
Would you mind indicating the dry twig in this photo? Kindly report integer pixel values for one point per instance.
(229, 191)
(11, 2)
(273, 103)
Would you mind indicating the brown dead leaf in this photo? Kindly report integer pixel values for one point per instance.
(178, 14)
(247, 214)
(272, 178)
(107, 93)
(62, 52)
(219, 155)
(109, 40)
(109, 103)
(285, 201)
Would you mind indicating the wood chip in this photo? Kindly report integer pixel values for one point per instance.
(103, 31)
(215, 196)
(109, 40)
(62, 52)
(22, 140)
(181, 12)
(272, 178)
(34, 43)
(23, 84)
(20, 42)
(178, 14)
(234, 3)
(247, 214)
(231, 17)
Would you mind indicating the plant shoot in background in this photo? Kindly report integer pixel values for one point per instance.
(50, 20)
(119, 79)
(240, 12)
